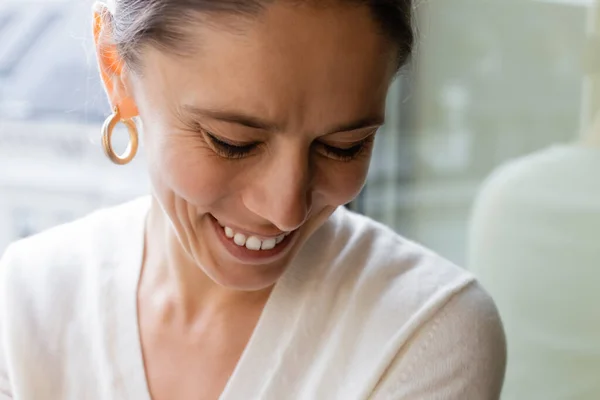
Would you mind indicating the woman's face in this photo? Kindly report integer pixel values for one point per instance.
(266, 130)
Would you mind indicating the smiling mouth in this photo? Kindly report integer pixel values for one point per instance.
(252, 242)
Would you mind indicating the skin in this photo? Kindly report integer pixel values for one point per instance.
(306, 74)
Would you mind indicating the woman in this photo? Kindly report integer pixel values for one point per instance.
(242, 277)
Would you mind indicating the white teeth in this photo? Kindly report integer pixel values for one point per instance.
(268, 244)
(239, 239)
(253, 243)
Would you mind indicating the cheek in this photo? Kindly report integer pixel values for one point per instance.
(341, 183)
(190, 171)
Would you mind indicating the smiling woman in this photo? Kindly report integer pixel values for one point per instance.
(241, 277)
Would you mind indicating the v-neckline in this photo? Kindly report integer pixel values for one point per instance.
(261, 350)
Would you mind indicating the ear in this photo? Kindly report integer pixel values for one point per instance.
(111, 66)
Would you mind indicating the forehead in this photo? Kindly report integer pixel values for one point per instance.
(291, 64)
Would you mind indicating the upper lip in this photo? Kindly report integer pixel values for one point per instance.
(262, 235)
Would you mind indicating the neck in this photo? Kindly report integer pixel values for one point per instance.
(174, 276)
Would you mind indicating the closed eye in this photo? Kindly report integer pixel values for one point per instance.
(229, 150)
(236, 151)
(347, 153)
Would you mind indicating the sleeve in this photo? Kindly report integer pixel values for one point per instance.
(458, 355)
(5, 386)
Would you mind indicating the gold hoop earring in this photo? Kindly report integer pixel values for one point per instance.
(107, 132)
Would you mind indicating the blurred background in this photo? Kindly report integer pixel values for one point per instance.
(489, 157)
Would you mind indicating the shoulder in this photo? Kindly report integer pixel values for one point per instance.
(468, 335)
(75, 241)
(401, 283)
(60, 259)
(459, 353)
(366, 252)
(431, 318)
(470, 324)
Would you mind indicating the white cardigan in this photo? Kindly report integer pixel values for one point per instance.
(360, 314)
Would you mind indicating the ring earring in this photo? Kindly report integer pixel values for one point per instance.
(107, 132)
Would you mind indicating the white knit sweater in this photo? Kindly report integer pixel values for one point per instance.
(361, 314)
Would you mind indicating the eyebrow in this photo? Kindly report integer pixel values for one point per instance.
(250, 121)
(364, 123)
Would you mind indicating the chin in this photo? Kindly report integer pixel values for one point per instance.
(246, 278)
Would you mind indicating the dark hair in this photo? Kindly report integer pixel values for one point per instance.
(162, 23)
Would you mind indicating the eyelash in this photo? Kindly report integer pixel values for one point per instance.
(349, 154)
(231, 151)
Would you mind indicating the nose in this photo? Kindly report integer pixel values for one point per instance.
(281, 191)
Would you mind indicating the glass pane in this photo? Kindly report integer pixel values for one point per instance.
(52, 106)
(492, 81)
(491, 158)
